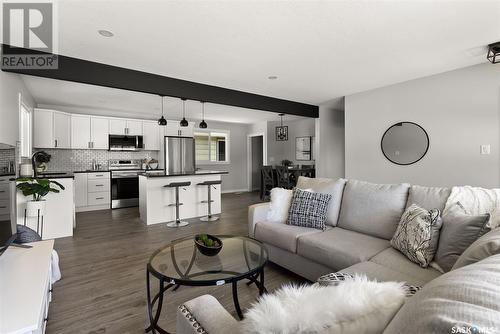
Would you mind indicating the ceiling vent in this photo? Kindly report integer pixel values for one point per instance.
(494, 53)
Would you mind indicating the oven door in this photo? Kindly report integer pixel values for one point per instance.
(124, 189)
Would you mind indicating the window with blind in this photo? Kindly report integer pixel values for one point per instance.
(212, 146)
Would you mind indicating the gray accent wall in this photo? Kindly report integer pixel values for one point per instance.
(460, 110)
(280, 150)
(237, 178)
(330, 160)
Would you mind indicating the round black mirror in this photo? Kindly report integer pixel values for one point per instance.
(405, 143)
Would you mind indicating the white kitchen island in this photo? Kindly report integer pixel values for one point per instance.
(156, 201)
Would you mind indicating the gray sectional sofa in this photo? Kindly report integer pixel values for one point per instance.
(362, 219)
(357, 239)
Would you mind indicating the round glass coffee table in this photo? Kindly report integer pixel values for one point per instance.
(181, 263)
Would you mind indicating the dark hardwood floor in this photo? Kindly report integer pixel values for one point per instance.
(103, 289)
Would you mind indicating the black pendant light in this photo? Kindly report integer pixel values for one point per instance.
(184, 122)
(203, 124)
(162, 121)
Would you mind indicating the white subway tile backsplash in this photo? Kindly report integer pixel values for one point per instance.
(6, 156)
(77, 160)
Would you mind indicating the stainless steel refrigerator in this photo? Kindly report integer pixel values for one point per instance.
(179, 155)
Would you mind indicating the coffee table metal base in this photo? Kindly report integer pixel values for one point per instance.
(257, 278)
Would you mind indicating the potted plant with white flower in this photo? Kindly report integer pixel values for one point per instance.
(38, 188)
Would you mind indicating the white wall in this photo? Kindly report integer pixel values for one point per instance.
(10, 87)
(459, 110)
(330, 159)
(237, 178)
(279, 150)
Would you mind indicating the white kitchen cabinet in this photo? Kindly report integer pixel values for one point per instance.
(134, 128)
(62, 130)
(43, 125)
(173, 128)
(117, 126)
(99, 133)
(52, 129)
(93, 190)
(80, 131)
(151, 139)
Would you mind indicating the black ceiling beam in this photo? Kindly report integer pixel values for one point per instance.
(88, 72)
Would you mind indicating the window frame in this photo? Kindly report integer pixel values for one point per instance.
(209, 132)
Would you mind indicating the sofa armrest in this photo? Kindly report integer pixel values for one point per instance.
(204, 314)
(256, 213)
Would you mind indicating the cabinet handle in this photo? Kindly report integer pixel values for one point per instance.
(89, 144)
(97, 175)
(99, 198)
(2, 191)
(55, 143)
(99, 185)
(3, 207)
(92, 143)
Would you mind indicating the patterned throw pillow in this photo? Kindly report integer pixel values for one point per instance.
(417, 235)
(308, 209)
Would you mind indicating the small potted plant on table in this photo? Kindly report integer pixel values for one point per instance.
(38, 188)
(207, 244)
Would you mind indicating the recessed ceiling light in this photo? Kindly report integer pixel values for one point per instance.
(272, 77)
(105, 33)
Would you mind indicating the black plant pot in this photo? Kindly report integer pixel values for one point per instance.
(208, 251)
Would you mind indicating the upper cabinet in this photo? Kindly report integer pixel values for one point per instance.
(89, 132)
(80, 131)
(99, 132)
(62, 130)
(125, 127)
(173, 128)
(117, 126)
(151, 139)
(52, 129)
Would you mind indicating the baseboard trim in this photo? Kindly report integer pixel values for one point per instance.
(244, 190)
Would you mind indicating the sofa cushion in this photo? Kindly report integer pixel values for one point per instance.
(459, 231)
(326, 186)
(378, 272)
(393, 259)
(466, 300)
(486, 246)
(281, 235)
(338, 248)
(373, 209)
(428, 197)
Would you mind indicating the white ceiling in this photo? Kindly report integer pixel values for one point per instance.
(319, 50)
(96, 100)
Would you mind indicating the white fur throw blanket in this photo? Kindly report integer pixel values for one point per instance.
(355, 306)
(477, 201)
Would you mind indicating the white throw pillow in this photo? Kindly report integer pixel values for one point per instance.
(355, 306)
(280, 204)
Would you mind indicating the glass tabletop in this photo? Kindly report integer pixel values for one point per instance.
(182, 262)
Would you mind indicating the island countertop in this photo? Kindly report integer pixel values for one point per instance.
(195, 173)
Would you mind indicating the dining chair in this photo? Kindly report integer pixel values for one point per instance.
(307, 170)
(284, 174)
(267, 181)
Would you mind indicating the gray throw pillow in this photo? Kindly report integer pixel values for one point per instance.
(308, 209)
(417, 234)
(459, 231)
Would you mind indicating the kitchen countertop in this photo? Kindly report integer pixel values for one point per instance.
(198, 172)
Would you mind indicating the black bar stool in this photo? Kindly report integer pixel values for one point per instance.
(177, 204)
(210, 184)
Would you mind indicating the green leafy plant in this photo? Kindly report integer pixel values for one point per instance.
(286, 162)
(38, 188)
(207, 241)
